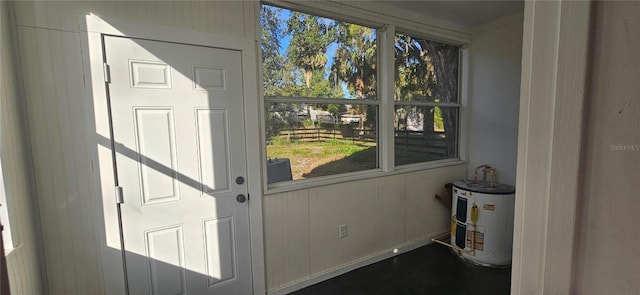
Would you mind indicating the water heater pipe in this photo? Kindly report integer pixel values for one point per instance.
(486, 169)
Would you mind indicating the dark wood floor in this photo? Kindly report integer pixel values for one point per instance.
(431, 269)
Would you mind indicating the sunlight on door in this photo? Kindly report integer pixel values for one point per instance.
(178, 135)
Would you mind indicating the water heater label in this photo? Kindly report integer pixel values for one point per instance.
(479, 238)
(489, 207)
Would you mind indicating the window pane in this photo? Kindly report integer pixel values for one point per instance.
(305, 141)
(425, 70)
(311, 56)
(425, 134)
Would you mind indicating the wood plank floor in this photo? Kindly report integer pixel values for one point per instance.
(431, 269)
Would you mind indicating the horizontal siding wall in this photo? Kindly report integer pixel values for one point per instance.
(60, 118)
(301, 227)
(23, 262)
(220, 17)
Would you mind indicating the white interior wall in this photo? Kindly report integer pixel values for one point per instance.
(494, 94)
(23, 261)
(301, 227)
(606, 260)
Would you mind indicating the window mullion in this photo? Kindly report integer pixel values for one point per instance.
(386, 37)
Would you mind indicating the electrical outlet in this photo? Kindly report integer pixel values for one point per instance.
(342, 231)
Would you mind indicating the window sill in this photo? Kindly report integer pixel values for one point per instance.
(295, 185)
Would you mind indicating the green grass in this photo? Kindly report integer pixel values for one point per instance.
(334, 156)
(283, 148)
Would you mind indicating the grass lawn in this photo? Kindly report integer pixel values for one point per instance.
(334, 156)
(310, 159)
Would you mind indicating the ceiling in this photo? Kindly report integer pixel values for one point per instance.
(466, 14)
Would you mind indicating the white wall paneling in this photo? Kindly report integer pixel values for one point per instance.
(381, 214)
(286, 224)
(356, 204)
(52, 74)
(23, 257)
(220, 17)
(393, 205)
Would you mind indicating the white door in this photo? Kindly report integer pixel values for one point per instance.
(178, 132)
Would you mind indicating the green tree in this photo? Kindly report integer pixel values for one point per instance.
(310, 38)
(272, 61)
(355, 59)
(444, 59)
(355, 64)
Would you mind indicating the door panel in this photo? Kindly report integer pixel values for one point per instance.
(213, 137)
(220, 256)
(178, 131)
(155, 139)
(166, 246)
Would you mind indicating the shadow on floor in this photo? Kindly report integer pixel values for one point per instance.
(431, 269)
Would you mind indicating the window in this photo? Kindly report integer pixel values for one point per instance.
(426, 100)
(321, 108)
(322, 101)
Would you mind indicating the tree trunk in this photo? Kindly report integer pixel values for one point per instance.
(307, 78)
(445, 62)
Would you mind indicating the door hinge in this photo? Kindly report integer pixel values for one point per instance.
(119, 195)
(107, 73)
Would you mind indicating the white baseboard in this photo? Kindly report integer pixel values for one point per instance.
(334, 272)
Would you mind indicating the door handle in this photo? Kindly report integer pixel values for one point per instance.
(241, 198)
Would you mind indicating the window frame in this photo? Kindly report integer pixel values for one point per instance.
(460, 104)
(386, 27)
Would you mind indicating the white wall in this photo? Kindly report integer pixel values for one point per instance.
(381, 214)
(608, 225)
(494, 94)
(23, 262)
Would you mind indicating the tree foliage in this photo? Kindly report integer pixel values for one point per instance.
(355, 59)
(272, 60)
(310, 38)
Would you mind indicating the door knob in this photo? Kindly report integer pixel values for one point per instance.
(239, 180)
(241, 198)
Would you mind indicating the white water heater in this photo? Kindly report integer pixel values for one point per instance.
(482, 222)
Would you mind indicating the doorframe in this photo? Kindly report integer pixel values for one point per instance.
(92, 29)
(552, 105)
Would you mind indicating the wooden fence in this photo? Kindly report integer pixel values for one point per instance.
(404, 139)
(322, 134)
(418, 141)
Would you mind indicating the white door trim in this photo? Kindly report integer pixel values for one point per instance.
(554, 71)
(93, 28)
